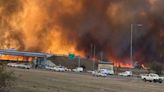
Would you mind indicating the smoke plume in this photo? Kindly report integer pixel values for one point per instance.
(72, 26)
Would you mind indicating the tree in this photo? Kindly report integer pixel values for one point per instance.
(7, 78)
(157, 68)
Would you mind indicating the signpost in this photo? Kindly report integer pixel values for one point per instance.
(71, 56)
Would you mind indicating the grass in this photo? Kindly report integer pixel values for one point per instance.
(47, 81)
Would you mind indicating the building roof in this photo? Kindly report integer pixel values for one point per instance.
(105, 62)
(22, 53)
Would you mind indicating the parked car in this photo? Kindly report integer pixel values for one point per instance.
(78, 69)
(126, 74)
(152, 78)
(99, 73)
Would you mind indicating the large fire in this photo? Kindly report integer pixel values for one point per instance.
(71, 26)
(121, 62)
(16, 58)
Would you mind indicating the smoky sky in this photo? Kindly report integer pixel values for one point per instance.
(103, 23)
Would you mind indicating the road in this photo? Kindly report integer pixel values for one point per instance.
(48, 81)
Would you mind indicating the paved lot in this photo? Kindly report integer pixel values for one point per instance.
(48, 81)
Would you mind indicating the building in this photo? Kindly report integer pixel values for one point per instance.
(14, 55)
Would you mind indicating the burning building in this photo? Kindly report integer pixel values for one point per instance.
(71, 26)
(18, 56)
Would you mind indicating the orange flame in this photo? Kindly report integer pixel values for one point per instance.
(16, 58)
(119, 63)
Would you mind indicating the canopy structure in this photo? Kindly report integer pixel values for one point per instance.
(41, 58)
(20, 53)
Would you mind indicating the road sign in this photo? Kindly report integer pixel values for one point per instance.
(71, 56)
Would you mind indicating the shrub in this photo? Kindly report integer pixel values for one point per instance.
(7, 78)
(157, 68)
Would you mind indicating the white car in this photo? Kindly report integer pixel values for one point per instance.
(98, 73)
(12, 64)
(66, 69)
(78, 69)
(24, 66)
(55, 69)
(126, 74)
(152, 77)
(49, 67)
(107, 71)
(61, 69)
(58, 69)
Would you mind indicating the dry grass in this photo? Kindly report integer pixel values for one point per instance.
(46, 81)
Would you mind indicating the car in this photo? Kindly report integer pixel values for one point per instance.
(11, 64)
(98, 73)
(58, 69)
(107, 71)
(78, 69)
(66, 69)
(55, 68)
(61, 69)
(24, 66)
(152, 77)
(126, 74)
(49, 67)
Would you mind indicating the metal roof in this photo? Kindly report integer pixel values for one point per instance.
(105, 62)
(22, 53)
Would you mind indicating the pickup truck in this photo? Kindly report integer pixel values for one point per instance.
(152, 78)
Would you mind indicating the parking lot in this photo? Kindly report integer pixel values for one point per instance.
(48, 81)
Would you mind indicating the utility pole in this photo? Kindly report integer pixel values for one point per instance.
(131, 44)
(78, 61)
(101, 56)
(91, 51)
(94, 57)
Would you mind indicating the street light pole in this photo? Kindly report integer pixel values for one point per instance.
(79, 61)
(94, 57)
(131, 42)
(131, 45)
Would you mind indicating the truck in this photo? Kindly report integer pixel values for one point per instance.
(152, 77)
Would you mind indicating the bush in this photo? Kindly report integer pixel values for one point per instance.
(7, 78)
(157, 68)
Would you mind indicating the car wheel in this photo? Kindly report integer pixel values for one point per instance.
(154, 81)
(144, 80)
(160, 81)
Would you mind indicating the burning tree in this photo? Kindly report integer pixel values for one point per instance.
(56, 26)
